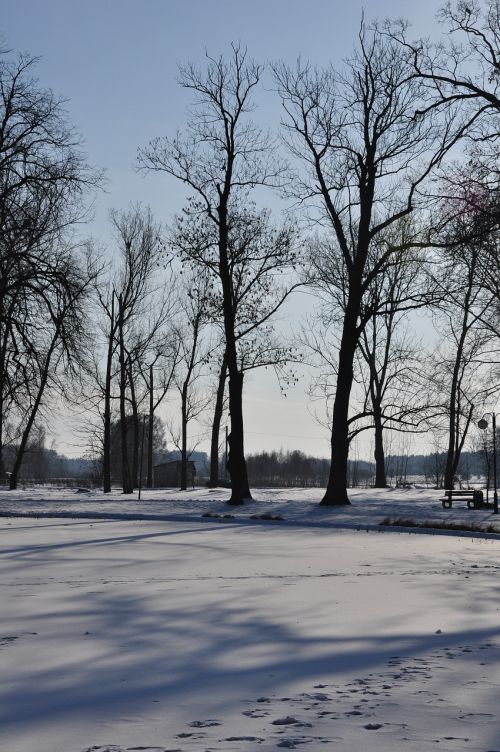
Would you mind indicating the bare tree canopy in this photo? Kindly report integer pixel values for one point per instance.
(368, 141)
(222, 156)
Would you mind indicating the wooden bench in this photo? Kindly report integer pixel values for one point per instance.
(474, 497)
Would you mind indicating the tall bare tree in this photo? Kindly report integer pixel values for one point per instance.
(368, 143)
(135, 314)
(193, 356)
(43, 181)
(464, 371)
(222, 157)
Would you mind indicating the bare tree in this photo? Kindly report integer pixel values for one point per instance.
(135, 310)
(222, 157)
(43, 180)
(368, 143)
(164, 363)
(464, 69)
(262, 259)
(464, 361)
(193, 356)
(56, 350)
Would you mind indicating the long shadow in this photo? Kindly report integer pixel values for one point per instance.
(157, 644)
(89, 542)
(146, 652)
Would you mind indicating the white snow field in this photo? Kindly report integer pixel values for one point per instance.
(223, 634)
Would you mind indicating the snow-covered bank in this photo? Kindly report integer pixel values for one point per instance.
(191, 636)
(296, 505)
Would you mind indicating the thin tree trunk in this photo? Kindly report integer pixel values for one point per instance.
(2, 463)
(219, 406)
(149, 480)
(34, 411)
(184, 437)
(106, 444)
(126, 484)
(453, 454)
(136, 430)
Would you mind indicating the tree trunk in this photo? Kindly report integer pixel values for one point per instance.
(136, 430)
(126, 484)
(106, 443)
(2, 463)
(452, 454)
(240, 490)
(149, 479)
(34, 411)
(336, 490)
(380, 474)
(184, 436)
(219, 406)
(454, 441)
(237, 466)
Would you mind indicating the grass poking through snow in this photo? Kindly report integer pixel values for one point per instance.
(438, 525)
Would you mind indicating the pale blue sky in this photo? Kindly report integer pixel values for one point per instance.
(116, 63)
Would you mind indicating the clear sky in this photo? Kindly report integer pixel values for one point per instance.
(115, 61)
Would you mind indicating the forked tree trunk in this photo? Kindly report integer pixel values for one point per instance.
(237, 467)
(34, 412)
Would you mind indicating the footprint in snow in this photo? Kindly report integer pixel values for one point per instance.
(204, 724)
(318, 696)
(291, 721)
(7, 640)
(244, 739)
(255, 713)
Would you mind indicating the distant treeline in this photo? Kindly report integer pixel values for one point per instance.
(277, 468)
(41, 464)
(294, 468)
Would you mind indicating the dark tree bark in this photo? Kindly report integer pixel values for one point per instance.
(240, 489)
(126, 480)
(106, 444)
(218, 410)
(135, 426)
(149, 479)
(362, 135)
(184, 424)
(34, 412)
(222, 158)
(379, 455)
(336, 489)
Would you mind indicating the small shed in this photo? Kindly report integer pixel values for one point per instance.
(168, 474)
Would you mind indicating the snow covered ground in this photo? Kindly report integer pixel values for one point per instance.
(296, 505)
(183, 632)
